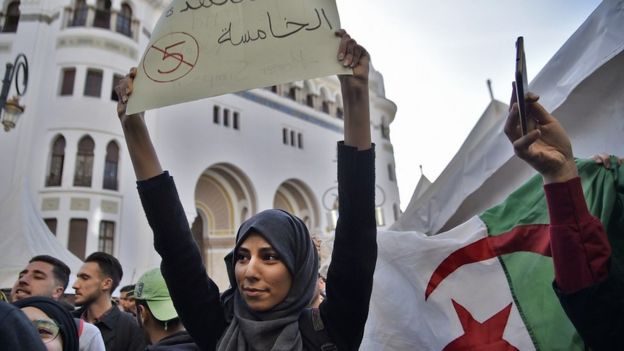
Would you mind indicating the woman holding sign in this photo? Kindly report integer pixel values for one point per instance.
(274, 265)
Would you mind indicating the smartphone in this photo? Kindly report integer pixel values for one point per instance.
(522, 87)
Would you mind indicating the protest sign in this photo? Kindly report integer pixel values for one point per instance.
(203, 48)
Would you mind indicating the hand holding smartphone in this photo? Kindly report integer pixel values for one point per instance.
(521, 84)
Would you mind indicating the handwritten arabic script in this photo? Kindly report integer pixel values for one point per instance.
(206, 4)
(203, 48)
(290, 28)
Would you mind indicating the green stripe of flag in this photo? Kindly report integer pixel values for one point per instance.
(530, 275)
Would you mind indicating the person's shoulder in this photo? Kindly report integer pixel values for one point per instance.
(125, 316)
(313, 332)
(78, 312)
(91, 338)
(128, 322)
(89, 329)
(117, 319)
(8, 312)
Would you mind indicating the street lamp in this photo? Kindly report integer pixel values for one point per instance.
(11, 109)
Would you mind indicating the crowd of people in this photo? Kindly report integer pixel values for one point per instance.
(97, 323)
(277, 300)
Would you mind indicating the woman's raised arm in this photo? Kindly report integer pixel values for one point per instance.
(142, 152)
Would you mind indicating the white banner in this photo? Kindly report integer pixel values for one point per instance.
(203, 48)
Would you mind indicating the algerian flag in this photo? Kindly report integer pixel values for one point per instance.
(486, 284)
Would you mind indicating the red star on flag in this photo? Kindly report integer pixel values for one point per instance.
(486, 336)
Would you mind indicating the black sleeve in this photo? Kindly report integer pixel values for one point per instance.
(350, 274)
(136, 337)
(597, 312)
(194, 295)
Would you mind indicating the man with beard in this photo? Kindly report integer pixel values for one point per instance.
(43, 276)
(126, 299)
(98, 277)
(48, 276)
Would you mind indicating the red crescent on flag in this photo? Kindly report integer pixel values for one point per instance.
(529, 238)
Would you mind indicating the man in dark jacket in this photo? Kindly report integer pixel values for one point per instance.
(98, 277)
(158, 317)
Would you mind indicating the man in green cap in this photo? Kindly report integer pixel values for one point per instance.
(157, 316)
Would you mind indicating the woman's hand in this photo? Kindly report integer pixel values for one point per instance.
(354, 56)
(124, 90)
(142, 152)
(355, 92)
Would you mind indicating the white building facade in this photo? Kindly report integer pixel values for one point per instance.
(231, 156)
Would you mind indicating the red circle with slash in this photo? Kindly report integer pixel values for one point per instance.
(171, 57)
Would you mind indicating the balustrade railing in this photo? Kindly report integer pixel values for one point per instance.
(92, 17)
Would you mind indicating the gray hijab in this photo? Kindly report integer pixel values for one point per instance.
(278, 328)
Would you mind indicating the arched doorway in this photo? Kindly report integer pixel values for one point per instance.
(296, 197)
(224, 198)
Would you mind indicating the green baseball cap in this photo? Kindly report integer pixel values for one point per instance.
(152, 288)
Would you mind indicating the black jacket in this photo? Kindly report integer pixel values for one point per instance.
(349, 278)
(180, 341)
(120, 330)
(597, 312)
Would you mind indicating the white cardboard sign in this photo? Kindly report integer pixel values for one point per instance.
(204, 48)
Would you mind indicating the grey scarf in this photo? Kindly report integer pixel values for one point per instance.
(278, 328)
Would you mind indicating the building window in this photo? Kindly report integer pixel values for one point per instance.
(310, 100)
(379, 216)
(124, 20)
(215, 114)
(339, 112)
(77, 242)
(55, 173)
(235, 121)
(106, 240)
(111, 166)
(67, 81)
(226, 117)
(116, 79)
(93, 83)
(102, 14)
(325, 107)
(385, 128)
(84, 162)
(292, 93)
(12, 17)
(51, 223)
(391, 175)
(397, 212)
(292, 138)
(80, 14)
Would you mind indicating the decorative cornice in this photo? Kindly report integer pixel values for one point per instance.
(249, 95)
(40, 17)
(90, 41)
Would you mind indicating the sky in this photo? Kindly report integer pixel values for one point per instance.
(436, 56)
